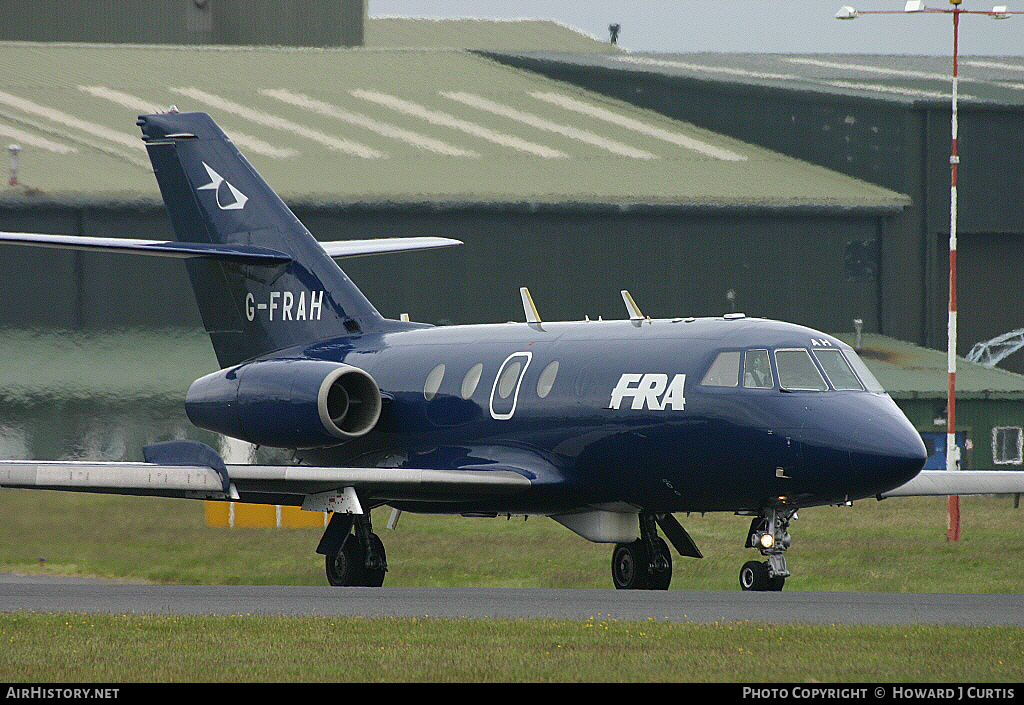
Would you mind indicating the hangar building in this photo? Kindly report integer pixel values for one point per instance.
(884, 119)
(551, 186)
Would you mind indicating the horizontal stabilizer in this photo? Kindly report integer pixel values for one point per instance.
(240, 253)
(966, 482)
(359, 248)
(153, 248)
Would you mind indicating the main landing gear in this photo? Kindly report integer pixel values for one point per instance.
(646, 563)
(353, 559)
(769, 534)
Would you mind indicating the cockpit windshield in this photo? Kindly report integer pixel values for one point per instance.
(870, 383)
(796, 369)
(837, 369)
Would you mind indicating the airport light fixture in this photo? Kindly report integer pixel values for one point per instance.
(999, 12)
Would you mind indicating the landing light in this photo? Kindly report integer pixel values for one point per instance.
(767, 541)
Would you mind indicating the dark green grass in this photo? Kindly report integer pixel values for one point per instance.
(243, 648)
(897, 545)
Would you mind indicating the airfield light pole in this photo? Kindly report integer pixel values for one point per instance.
(998, 12)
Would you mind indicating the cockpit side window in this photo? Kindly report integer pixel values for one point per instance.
(869, 380)
(757, 370)
(797, 371)
(838, 370)
(724, 371)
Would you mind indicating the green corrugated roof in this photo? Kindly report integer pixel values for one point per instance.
(469, 33)
(351, 125)
(909, 371)
(894, 78)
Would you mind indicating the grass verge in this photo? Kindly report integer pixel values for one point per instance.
(243, 648)
(898, 545)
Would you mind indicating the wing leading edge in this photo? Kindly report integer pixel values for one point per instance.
(241, 253)
(965, 482)
(191, 470)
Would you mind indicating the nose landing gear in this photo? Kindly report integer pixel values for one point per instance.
(769, 533)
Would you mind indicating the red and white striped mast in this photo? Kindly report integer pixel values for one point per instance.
(952, 449)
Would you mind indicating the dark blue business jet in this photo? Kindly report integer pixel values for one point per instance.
(607, 427)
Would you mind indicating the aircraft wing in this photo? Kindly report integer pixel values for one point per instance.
(382, 484)
(242, 253)
(191, 470)
(963, 482)
(150, 479)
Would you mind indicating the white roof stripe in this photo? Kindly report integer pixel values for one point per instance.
(62, 118)
(638, 126)
(133, 102)
(668, 63)
(126, 100)
(279, 123)
(27, 138)
(865, 68)
(437, 117)
(408, 136)
(1000, 65)
(540, 123)
(895, 90)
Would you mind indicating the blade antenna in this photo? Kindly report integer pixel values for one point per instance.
(532, 316)
(631, 307)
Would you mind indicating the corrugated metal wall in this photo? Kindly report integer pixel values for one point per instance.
(895, 144)
(251, 22)
(814, 268)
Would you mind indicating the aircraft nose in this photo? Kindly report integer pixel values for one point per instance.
(867, 447)
(886, 450)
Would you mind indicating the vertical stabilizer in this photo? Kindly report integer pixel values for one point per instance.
(213, 195)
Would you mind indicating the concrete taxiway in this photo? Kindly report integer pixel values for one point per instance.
(29, 594)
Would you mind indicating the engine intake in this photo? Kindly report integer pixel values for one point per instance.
(293, 403)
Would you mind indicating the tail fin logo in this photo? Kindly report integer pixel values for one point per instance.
(238, 198)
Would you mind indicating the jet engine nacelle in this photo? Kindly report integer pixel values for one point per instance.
(286, 403)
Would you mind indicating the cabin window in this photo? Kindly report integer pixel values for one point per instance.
(547, 379)
(838, 370)
(433, 382)
(757, 370)
(471, 380)
(724, 371)
(508, 380)
(797, 371)
(1007, 442)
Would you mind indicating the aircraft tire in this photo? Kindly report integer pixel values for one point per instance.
(374, 577)
(661, 579)
(754, 576)
(346, 568)
(629, 566)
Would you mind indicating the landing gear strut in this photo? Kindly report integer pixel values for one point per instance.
(769, 534)
(645, 564)
(353, 559)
